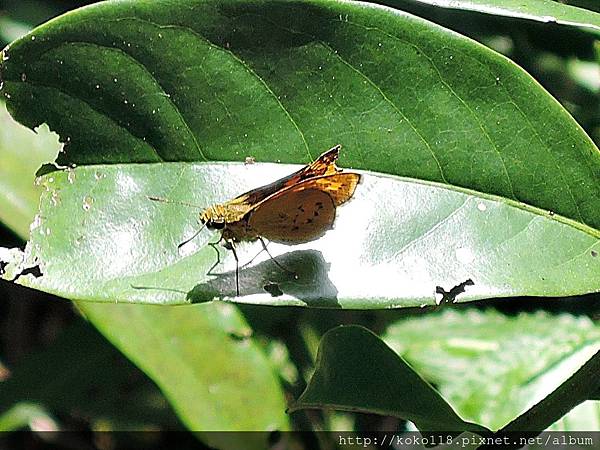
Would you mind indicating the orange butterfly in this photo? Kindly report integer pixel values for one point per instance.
(292, 210)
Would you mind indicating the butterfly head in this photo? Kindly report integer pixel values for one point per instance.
(214, 217)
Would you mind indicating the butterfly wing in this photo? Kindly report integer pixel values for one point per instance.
(303, 212)
(295, 217)
(340, 186)
(323, 165)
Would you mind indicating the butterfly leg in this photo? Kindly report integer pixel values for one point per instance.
(264, 248)
(229, 246)
(218, 261)
(285, 269)
(253, 258)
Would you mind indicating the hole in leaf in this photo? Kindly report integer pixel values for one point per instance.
(450, 296)
(36, 271)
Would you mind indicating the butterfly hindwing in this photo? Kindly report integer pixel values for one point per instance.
(339, 186)
(302, 212)
(295, 217)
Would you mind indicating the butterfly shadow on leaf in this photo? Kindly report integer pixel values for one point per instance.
(306, 278)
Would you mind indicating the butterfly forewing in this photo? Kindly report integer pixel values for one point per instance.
(324, 165)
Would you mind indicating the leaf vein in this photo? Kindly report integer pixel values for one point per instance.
(250, 70)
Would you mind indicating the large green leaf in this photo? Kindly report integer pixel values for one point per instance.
(492, 367)
(501, 184)
(493, 371)
(544, 11)
(356, 371)
(91, 248)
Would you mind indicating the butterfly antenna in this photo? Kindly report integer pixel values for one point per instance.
(176, 202)
(192, 237)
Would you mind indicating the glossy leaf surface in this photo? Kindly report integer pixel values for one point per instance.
(383, 243)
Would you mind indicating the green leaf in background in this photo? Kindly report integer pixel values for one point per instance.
(206, 363)
(26, 414)
(356, 371)
(513, 175)
(492, 367)
(22, 152)
(545, 11)
(11, 30)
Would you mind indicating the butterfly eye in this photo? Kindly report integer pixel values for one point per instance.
(215, 225)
